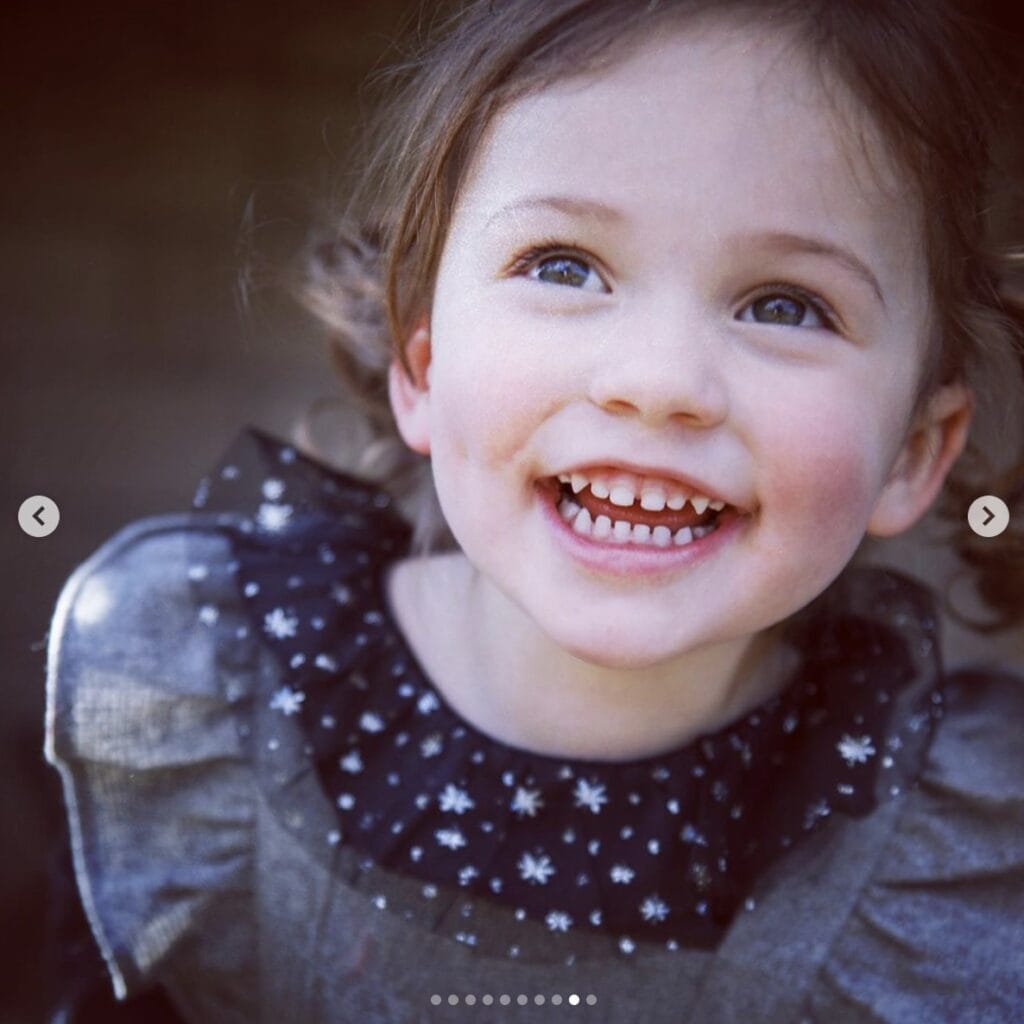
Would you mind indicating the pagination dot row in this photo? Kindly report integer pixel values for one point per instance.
(573, 999)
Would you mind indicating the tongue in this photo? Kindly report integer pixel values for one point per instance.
(686, 516)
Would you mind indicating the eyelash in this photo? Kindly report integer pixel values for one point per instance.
(551, 248)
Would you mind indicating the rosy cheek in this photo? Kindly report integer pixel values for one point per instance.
(826, 482)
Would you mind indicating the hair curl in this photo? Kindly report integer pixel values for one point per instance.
(925, 72)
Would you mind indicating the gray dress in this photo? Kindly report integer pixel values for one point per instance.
(211, 858)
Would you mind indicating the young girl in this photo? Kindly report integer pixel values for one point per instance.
(670, 306)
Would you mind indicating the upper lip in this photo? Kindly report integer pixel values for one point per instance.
(689, 483)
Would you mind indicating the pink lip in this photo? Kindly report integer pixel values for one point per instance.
(630, 560)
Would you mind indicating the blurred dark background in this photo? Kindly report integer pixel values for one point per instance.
(143, 145)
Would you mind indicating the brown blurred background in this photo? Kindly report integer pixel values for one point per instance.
(143, 144)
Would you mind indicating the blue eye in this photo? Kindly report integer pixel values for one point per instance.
(560, 268)
(788, 309)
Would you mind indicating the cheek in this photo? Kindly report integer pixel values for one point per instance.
(491, 389)
(827, 471)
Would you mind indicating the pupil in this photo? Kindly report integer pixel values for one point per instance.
(779, 309)
(561, 270)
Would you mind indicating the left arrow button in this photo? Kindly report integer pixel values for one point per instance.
(38, 516)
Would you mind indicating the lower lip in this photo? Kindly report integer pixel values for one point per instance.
(631, 560)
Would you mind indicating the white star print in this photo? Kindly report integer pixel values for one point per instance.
(351, 762)
(370, 721)
(558, 921)
(654, 909)
(273, 517)
(450, 837)
(590, 794)
(690, 835)
(535, 869)
(431, 746)
(819, 809)
(208, 615)
(272, 489)
(527, 802)
(278, 623)
(287, 700)
(427, 702)
(855, 750)
(455, 799)
(621, 874)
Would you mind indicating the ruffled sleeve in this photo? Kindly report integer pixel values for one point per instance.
(141, 724)
(938, 933)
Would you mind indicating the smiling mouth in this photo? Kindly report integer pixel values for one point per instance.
(600, 519)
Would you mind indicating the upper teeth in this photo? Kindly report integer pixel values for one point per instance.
(623, 488)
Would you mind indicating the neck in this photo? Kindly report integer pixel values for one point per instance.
(506, 677)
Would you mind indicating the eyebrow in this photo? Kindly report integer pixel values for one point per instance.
(786, 241)
(792, 243)
(575, 206)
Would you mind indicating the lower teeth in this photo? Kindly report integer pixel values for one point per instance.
(621, 532)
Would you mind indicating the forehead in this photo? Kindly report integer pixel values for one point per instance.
(701, 130)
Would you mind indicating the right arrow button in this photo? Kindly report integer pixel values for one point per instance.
(988, 516)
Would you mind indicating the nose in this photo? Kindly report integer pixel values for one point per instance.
(665, 366)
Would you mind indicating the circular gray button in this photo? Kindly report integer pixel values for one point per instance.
(38, 516)
(988, 516)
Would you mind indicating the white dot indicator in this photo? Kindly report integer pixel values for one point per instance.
(574, 1000)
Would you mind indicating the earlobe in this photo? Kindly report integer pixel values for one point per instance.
(925, 460)
(410, 398)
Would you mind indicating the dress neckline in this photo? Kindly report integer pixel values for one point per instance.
(784, 665)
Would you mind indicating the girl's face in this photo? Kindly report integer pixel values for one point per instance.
(680, 264)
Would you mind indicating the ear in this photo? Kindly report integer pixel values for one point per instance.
(410, 399)
(934, 443)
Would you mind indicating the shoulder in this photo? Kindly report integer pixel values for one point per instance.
(937, 932)
(147, 563)
(142, 726)
(979, 749)
(131, 619)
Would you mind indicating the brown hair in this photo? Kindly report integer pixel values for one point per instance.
(920, 68)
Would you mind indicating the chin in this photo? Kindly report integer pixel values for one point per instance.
(604, 650)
